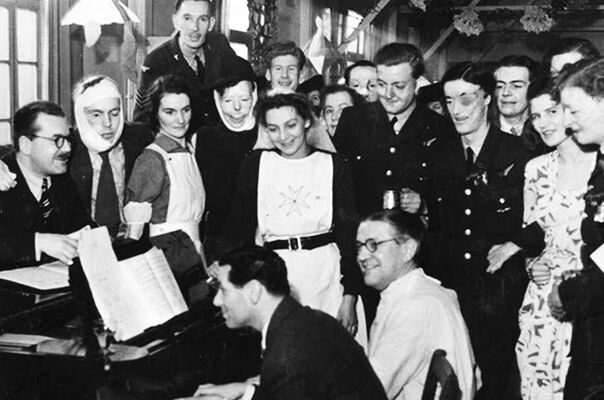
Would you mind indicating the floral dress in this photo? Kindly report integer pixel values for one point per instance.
(543, 346)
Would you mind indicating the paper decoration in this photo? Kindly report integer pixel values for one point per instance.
(468, 23)
(421, 4)
(91, 14)
(536, 20)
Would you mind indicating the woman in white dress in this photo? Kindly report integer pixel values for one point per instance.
(294, 195)
(165, 188)
(553, 197)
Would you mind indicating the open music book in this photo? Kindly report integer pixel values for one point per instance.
(133, 294)
(46, 277)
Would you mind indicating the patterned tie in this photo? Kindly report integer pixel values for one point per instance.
(45, 204)
(201, 72)
(107, 208)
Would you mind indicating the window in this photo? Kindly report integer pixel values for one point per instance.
(346, 22)
(20, 66)
(237, 21)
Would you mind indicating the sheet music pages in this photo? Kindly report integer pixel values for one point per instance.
(127, 293)
(151, 279)
(50, 276)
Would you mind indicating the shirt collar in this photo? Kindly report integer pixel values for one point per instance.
(264, 331)
(168, 144)
(507, 128)
(34, 182)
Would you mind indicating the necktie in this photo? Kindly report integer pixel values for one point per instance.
(200, 69)
(45, 204)
(393, 122)
(107, 210)
(469, 159)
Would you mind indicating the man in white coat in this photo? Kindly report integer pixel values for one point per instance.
(415, 315)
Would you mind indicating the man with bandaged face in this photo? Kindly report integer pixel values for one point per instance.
(104, 150)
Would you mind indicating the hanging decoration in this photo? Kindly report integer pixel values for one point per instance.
(468, 23)
(421, 4)
(91, 14)
(536, 20)
(323, 57)
(263, 29)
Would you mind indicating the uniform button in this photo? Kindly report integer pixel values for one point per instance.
(467, 256)
(358, 157)
(424, 165)
(392, 150)
(501, 200)
(468, 211)
(468, 191)
(388, 173)
(467, 232)
(439, 199)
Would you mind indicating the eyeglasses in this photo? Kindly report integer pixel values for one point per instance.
(59, 140)
(372, 244)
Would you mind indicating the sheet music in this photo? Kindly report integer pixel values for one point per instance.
(50, 276)
(131, 295)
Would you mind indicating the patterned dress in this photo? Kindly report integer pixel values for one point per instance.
(544, 342)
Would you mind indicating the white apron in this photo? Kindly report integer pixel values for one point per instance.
(187, 196)
(295, 198)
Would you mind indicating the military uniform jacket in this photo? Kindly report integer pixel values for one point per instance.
(168, 59)
(583, 296)
(381, 159)
(470, 211)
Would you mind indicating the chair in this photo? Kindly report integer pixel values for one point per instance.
(441, 371)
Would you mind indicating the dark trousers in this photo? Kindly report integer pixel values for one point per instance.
(584, 382)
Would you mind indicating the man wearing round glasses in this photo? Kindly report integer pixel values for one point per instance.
(416, 315)
(37, 215)
(475, 202)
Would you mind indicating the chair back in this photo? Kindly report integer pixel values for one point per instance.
(441, 371)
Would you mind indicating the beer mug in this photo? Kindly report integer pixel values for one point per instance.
(390, 199)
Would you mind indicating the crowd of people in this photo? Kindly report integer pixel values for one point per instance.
(465, 215)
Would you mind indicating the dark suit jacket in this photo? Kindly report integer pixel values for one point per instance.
(310, 356)
(382, 160)
(583, 296)
(168, 59)
(20, 216)
(134, 139)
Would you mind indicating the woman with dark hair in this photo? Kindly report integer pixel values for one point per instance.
(554, 186)
(165, 188)
(294, 196)
(220, 148)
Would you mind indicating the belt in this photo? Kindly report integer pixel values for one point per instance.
(301, 242)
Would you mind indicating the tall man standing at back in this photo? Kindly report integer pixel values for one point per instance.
(388, 141)
(194, 54)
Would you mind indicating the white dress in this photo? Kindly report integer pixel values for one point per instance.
(295, 198)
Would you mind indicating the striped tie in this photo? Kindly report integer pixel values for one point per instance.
(45, 205)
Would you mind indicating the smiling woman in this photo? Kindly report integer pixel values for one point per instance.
(294, 196)
(165, 188)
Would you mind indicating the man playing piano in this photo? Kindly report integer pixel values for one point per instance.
(39, 213)
(306, 354)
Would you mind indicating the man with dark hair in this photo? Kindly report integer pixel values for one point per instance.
(39, 213)
(568, 51)
(195, 53)
(307, 354)
(475, 201)
(513, 75)
(362, 77)
(387, 142)
(334, 99)
(284, 63)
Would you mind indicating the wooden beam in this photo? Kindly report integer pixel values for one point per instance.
(408, 10)
(444, 36)
(367, 20)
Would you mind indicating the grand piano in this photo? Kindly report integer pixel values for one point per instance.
(76, 359)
